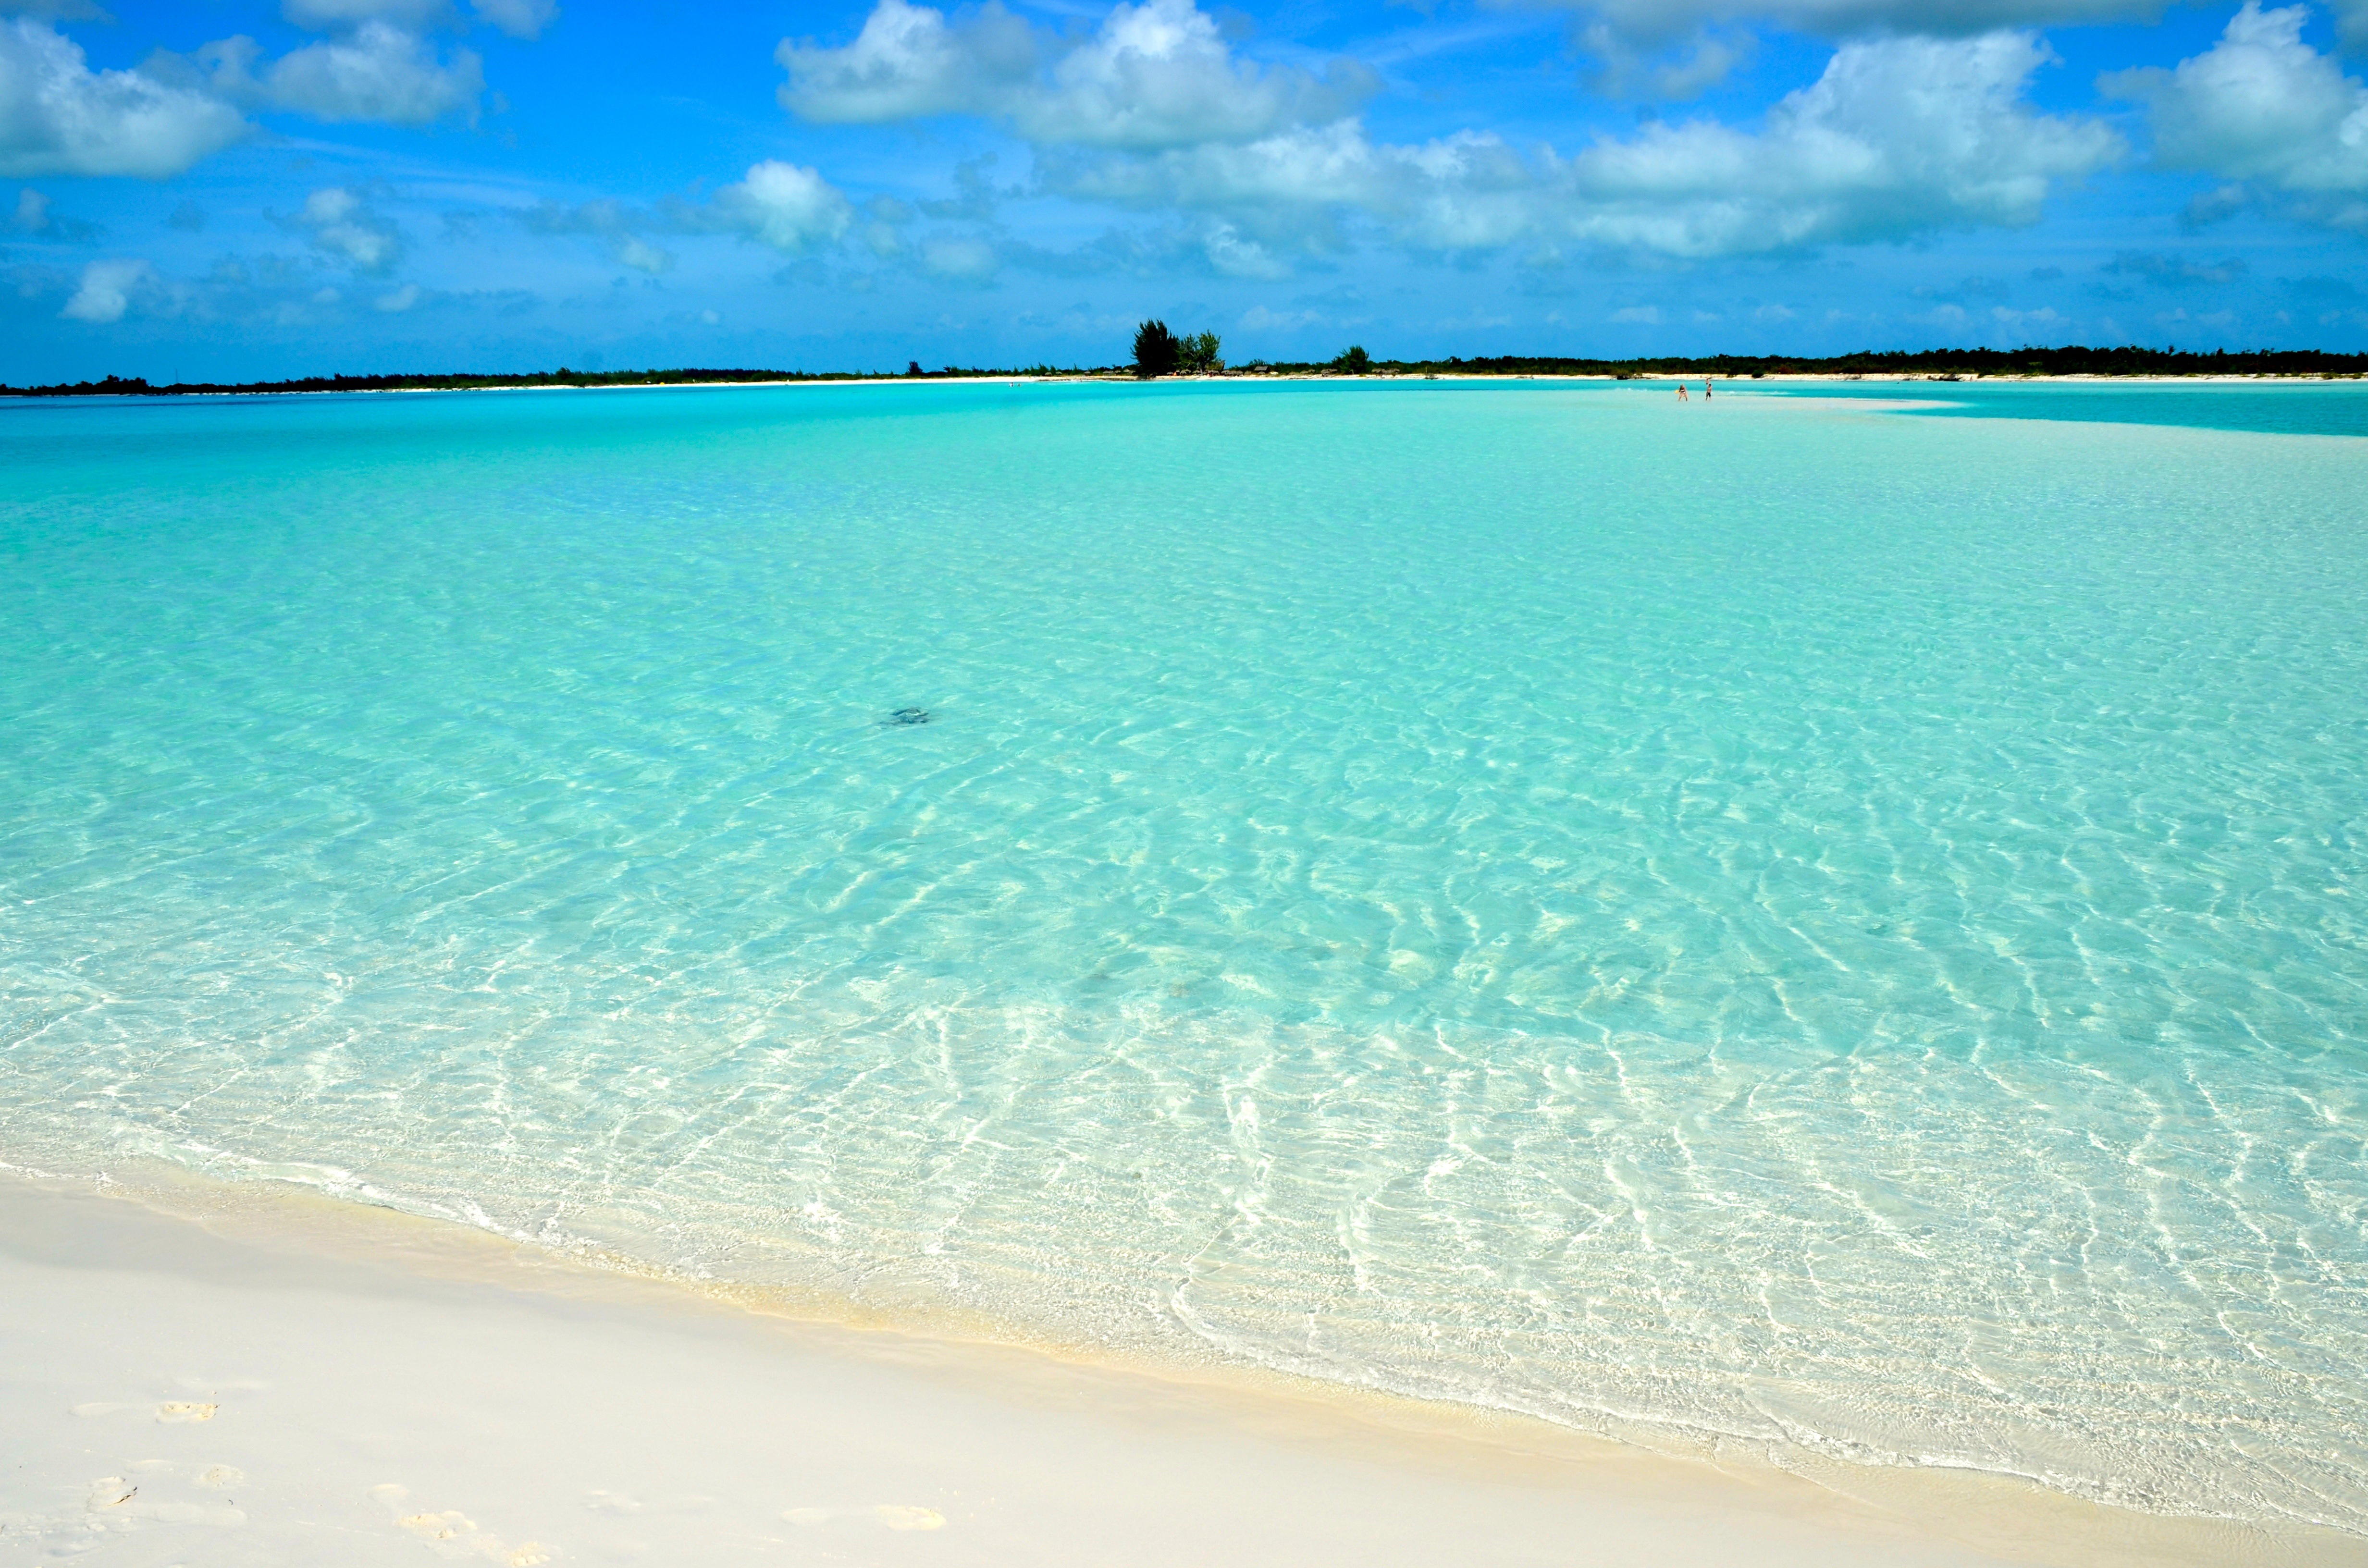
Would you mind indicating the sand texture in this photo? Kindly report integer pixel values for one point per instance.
(320, 1384)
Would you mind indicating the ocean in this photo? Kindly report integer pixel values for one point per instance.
(1819, 923)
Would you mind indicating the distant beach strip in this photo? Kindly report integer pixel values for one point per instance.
(1980, 362)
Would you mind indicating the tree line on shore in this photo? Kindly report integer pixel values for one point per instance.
(1159, 352)
(1201, 354)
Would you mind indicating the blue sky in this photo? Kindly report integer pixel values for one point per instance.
(241, 188)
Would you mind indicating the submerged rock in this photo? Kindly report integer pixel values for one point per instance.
(909, 716)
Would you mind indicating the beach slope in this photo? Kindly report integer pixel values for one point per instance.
(291, 1381)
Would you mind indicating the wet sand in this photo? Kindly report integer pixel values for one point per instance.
(285, 1379)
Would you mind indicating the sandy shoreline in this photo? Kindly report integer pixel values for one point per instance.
(1648, 378)
(290, 1378)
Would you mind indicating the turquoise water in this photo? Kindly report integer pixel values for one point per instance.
(2291, 408)
(1786, 922)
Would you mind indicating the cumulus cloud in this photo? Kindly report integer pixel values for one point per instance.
(59, 116)
(607, 220)
(379, 72)
(376, 65)
(790, 207)
(107, 291)
(1675, 49)
(1159, 74)
(327, 16)
(959, 258)
(342, 224)
(1457, 192)
(37, 218)
(2263, 106)
(642, 256)
(910, 62)
(786, 206)
(1155, 74)
(1235, 255)
(519, 18)
(401, 300)
(1898, 137)
(1652, 69)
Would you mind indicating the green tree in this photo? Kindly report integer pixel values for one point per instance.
(1355, 362)
(1198, 354)
(1156, 349)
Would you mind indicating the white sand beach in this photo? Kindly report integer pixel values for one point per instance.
(292, 1381)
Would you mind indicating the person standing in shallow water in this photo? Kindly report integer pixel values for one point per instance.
(1682, 393)
(1705, 388)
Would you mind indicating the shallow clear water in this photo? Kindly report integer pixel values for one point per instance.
(1824, 926)
(2289, 407)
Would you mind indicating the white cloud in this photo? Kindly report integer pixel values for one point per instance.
(1154, 74)
(642, 256)
(1235, 256)
(1158, 74)
(379, 73)
(32, 211)
(1638, 315)
(1667, 50)
(1464, 190)
(325, 15)
(2261, 105)
(910, 62)
(402, 299)
(959, 258)
(59, 116)
(519, 18)
(342, 223)
(785, 206)
(106, 290)
(611, 222)
(1651, 70)
(1898, 137)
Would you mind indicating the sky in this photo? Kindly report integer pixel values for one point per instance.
(235, 189)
